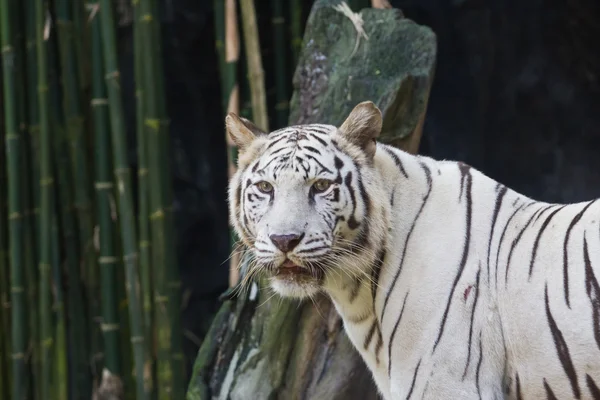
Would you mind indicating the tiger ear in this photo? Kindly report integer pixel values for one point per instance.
(362, 127)
(241, 131)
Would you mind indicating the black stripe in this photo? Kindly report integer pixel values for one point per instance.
(549, 393)
(414, 379)
(355, 290)
(312, 149)
(501, 241)
(593, 388)
(537, 239)
(518, 388)
(479, 367)
(396, 159)
(338, 163)
(376, 271)
(575, 220)
(408, 236)
(378, 345)
(593, 291)
(370, 335)
(274, 142)
(394, 335)
(314, 130)
(499, 199)
(318, 139)
(562, 349)
(368, 206)
(472, 320)
(465, 170)
(518, 238)
(323, 168)
(352, 223)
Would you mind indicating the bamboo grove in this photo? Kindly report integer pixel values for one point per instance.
(88, 279)
(89, 288)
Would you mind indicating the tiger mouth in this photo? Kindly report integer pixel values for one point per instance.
(289, 268)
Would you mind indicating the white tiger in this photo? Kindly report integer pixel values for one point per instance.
(450, 285)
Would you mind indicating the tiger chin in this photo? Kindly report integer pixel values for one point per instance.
(450, 284)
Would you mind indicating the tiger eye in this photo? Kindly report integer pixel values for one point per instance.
(264, 187)
(321, 185)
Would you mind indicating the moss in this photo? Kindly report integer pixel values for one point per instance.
(392, 67)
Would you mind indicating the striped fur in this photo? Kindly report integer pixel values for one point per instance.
(450, 285)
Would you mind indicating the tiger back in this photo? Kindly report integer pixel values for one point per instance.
(450, 285)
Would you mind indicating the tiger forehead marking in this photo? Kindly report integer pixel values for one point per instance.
(450, 285)
(306, 150)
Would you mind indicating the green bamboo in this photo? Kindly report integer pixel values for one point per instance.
(169, 361)
(219, 18)
(108, 260)
(80, 386)
(173, 282)
(33, 113)
(296, 29)
(231, 102)
(46, 194)
(60, 377)
(5, 387)
(82, 41)
(279, 56)
(33, 130)
(3, 366)
(5, 359)
(15, 212)
(75, 132)
(125, 201)
(28, 182)
(143, 186)
(256, 76)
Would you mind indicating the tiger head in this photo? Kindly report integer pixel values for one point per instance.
(307, 200)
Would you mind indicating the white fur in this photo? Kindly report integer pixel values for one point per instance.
(510, 334)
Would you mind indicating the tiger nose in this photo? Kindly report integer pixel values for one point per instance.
(286, 243)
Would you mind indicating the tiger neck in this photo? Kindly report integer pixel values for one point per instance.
(401, 180)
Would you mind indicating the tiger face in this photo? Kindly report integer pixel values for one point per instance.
(299, 199)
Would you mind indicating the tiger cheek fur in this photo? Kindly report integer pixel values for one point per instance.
(450, 285)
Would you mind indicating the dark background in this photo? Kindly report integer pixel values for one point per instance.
(516, 94)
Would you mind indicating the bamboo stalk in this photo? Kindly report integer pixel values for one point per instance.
(4, 385)
(79, 169)
(380, 4)
(166, 304)
(46, 194)
(296, 29)
(33, 131)
(5, 315)
(255, 70)
(279, 56)
(219, 18)
(33, 115)
(143, 191)
(29, 256)
(231, 95)
(15, 212)
(104, 198)
(125, 201)
(61, 376)
(64, 186)
(173, 282)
